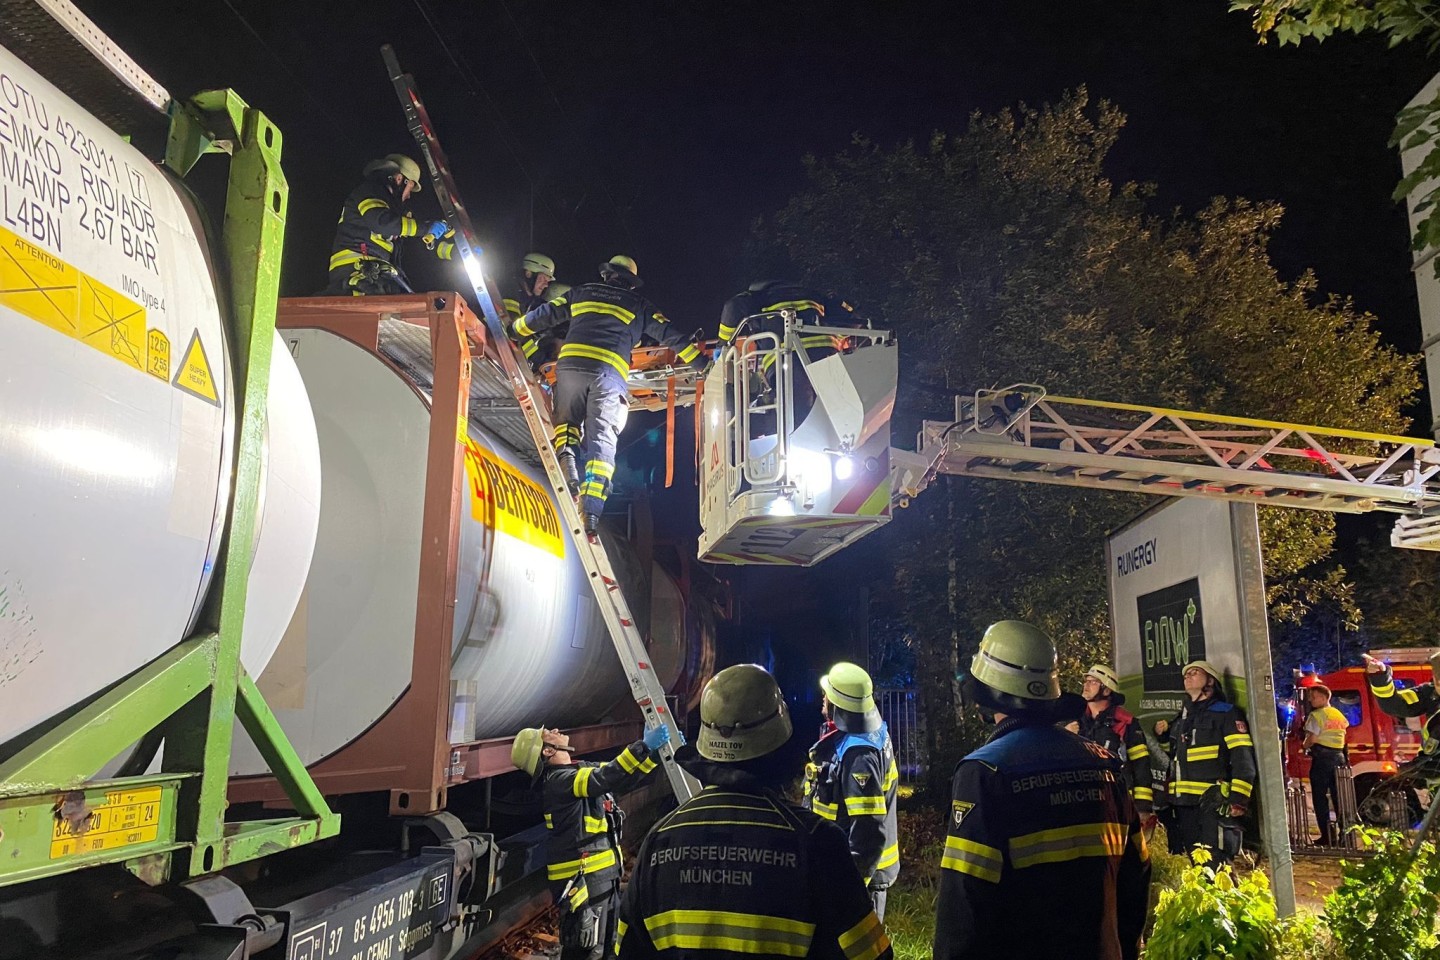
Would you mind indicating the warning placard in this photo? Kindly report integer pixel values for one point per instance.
(126, 818)
(193, 374)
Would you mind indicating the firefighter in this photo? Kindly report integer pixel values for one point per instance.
(852, 778)
(1406, 702)
(737, 871)
(763, 300)
(364, 259)
(1324, 741)
(531, 285)
(1212, 767)
(1106, 722)
(583, 829)
(607, 321)
(1044, 856)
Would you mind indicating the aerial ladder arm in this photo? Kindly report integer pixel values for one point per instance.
(1021, 432)
(645, 686)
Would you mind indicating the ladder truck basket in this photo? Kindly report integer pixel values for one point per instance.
(795, 442)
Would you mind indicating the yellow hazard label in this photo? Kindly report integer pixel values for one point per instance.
(37, 283)
(508, 502)
(126, 818)
(158, 361)
(193, 374)
(111, 323)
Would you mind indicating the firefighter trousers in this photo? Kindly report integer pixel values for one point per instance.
(877, 900)
(366, 278)
(1324, 763)
(593, 394)
(599, 916)
(1203, 825)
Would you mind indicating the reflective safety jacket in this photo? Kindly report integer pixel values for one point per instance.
(372, 221)
(1210, 749)
(1399, 700)
(517, 303)
(772, 297)
(738, 872)
(579, 809)
(1117, 730)
(1044, 855)
(606, 324)
(853, 781)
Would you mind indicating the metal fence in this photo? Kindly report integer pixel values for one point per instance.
(900, 708)
(1299, 815)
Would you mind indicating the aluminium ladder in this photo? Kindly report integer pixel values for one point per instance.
(629, 645)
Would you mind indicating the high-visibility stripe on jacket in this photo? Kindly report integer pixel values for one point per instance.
(371, 221)
(1044, 856)
(1211, 752)
(1117, 730)
(574, 797)
(769, 298)
(737, 872)
(606, 324)
(853, 780)
(1404, 702)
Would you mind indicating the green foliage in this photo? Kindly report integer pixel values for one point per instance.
(910, 904)
(1386, 904)
(1212, 914)
(1004, 254)
(1400, 593)
(1416, 127)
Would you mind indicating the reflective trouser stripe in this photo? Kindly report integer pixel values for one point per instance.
(753, 933)
(1203, 753)
(829, 811)
(888, 857)
(865, 806)
(1067, 843)
(1236, 740)
(976, 859)
(341, 258)
(583, 351)
(1137, 751)
(866, 940)
(600, 307)
(592, 863)
(566, 434)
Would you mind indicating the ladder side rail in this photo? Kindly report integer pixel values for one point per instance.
(645, 686)
(737, 435)
(755, 353)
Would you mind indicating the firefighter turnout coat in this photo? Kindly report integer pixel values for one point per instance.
(1212, 756)
(852, 780)
(771, 297)
(738, 872)
(1404, 702)
(1117, 730)
(1044, 855)
(372, 222)
(606, 324)
(581, 817)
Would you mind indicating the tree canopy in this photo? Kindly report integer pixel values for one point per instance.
(1004, 254)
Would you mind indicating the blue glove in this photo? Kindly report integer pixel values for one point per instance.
(434, 232)
(657, 737)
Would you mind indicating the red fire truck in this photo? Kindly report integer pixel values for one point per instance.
(1376, 743)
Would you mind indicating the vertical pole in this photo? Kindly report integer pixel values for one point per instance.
(1260, 701)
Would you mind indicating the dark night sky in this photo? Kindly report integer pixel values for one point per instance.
(663, 129)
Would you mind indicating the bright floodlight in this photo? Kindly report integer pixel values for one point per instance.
(844, 467)
(781, 507)
(473, 270)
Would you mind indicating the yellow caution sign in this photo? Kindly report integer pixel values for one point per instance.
(111, 322)
(35, 282)
(126, 818)
(193, 373)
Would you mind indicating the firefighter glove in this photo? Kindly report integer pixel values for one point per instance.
(657, 737)
(435, 231)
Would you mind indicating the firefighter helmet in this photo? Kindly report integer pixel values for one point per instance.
(851, 693)
(555, 290)
(539, 263)
(742, 715)
(1206, 666)
(527, 752)
(623, 268)
(393, 163)
(1105, 675)
(1017, 660)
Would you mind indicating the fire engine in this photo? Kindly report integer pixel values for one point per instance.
(1377, 744)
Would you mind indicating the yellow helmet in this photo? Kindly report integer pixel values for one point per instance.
(1206, 666)
(539, 263)
(528, 750)
(1017, 659)
(742, 715)
(1105, 675)
(623, 268)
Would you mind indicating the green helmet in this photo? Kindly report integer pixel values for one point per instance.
(1016, 659)
(556, 289)
(742, 715)
(393, 163)
(539, 263)
(849, 688)
(528, 749)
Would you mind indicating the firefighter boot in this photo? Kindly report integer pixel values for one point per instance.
(570, 469)
(592, 524)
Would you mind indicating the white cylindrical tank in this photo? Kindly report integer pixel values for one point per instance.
(529, 645)
(117, 418)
